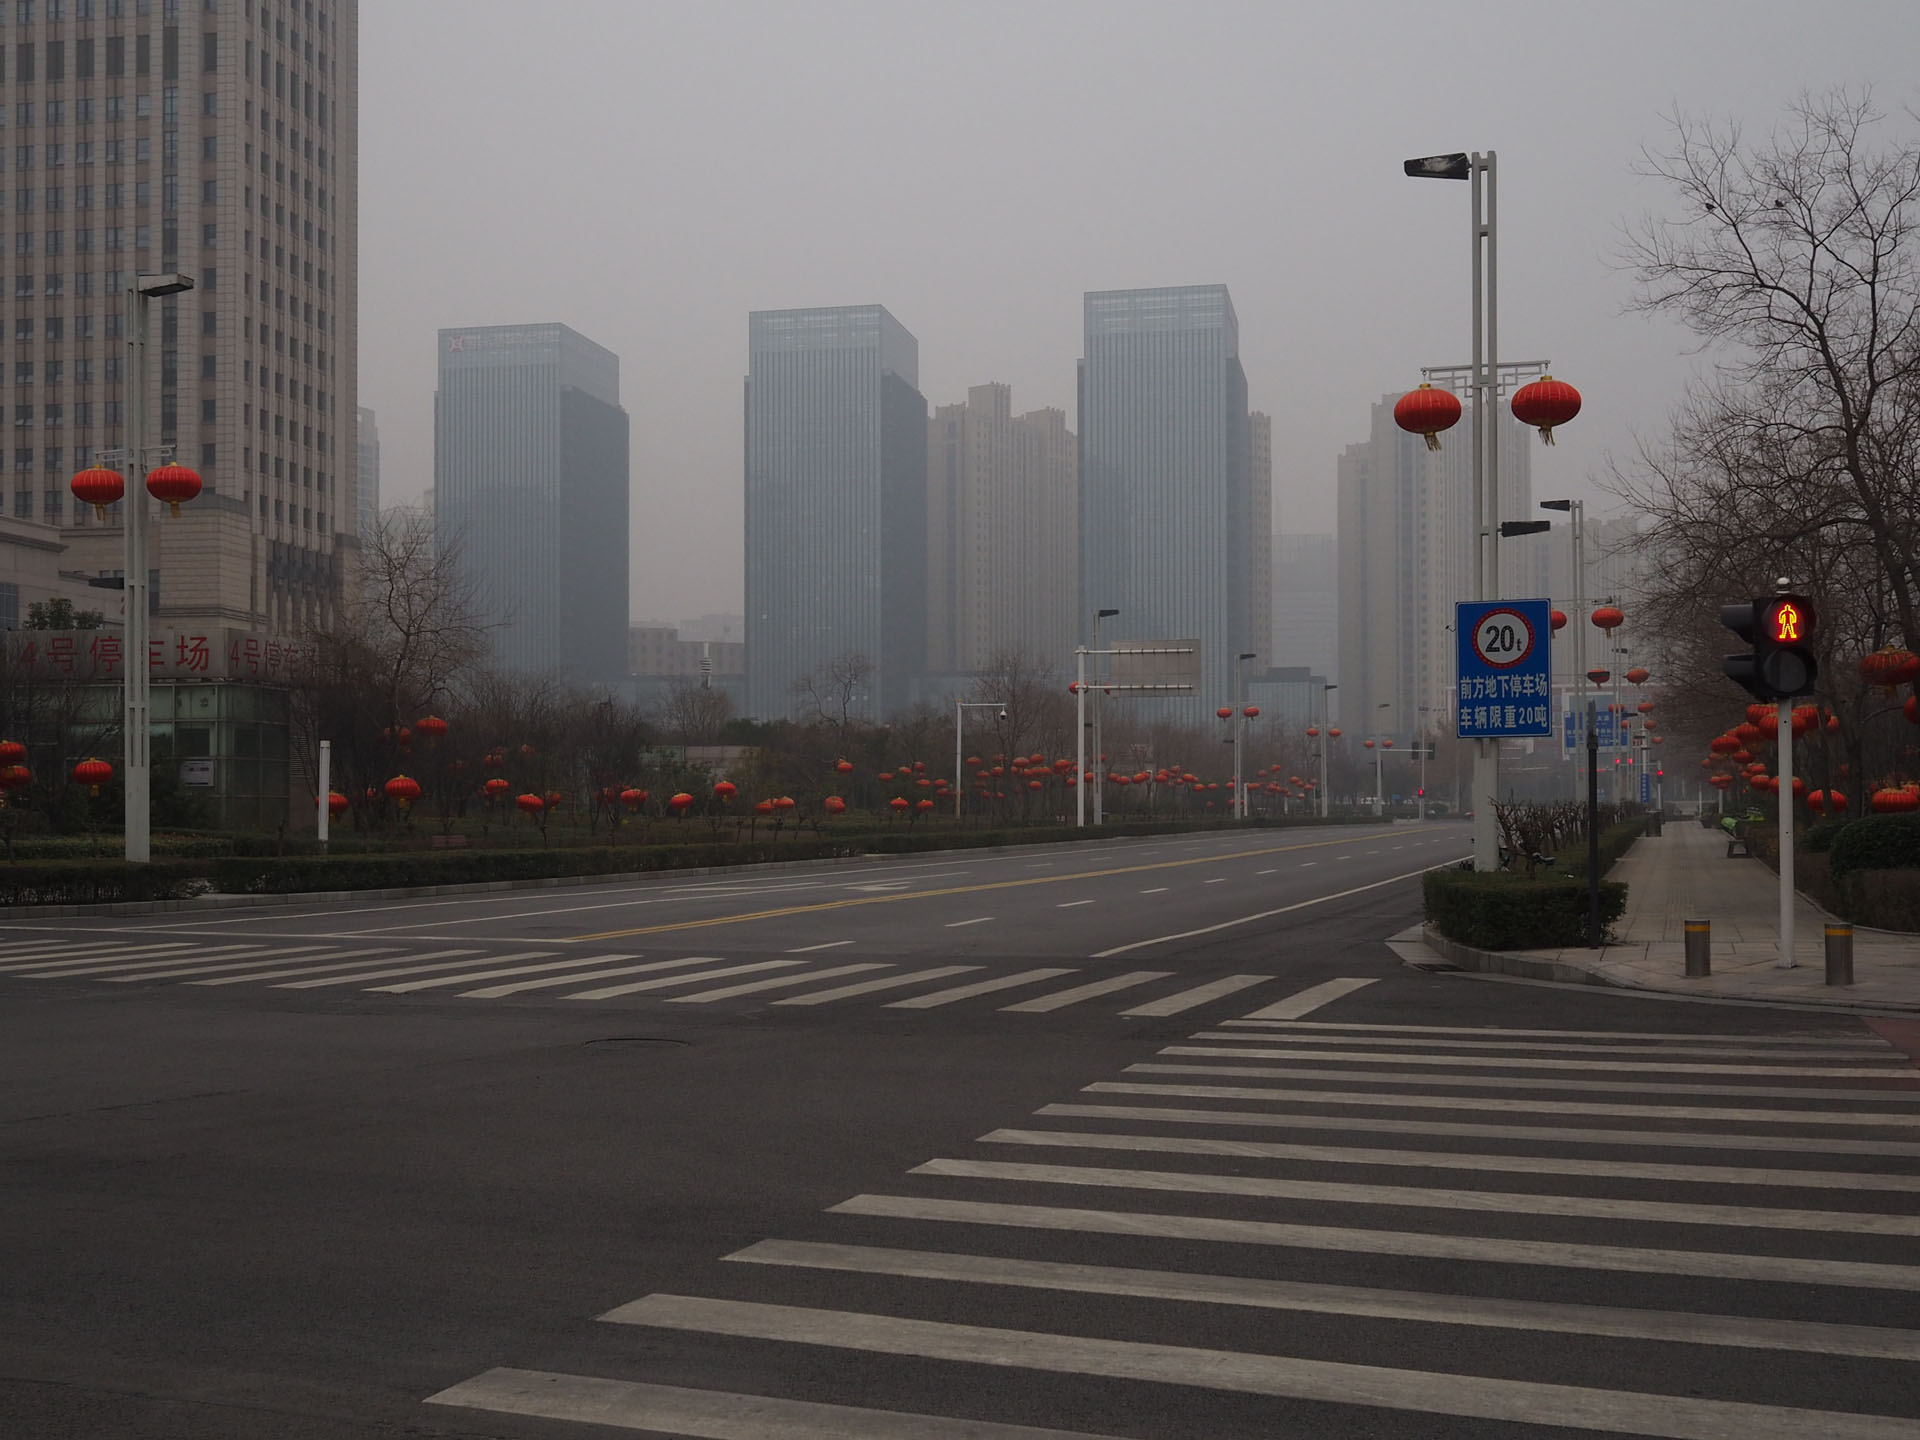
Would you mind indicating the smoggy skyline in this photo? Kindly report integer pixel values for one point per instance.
(648, 175)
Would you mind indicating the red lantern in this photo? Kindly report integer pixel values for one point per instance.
(1599, 676)
(843, 767)
(403, 788)
(1894, 802)
(1889, 667)
(15, 777)
(532, 804)
(1313, 732)
(1645, 707)
(680, 803)
(1558, 620)
(1335, 732)
(1545, 403)
(783, 803)
(1747, 734)
(763, 807)
(833, 805)
(93, 774)
(99, 487)
(1638, 675)
(496, 787)
(431, 726)
(923, 807)
(1427, 412)
(1723, 745)
(1033, 785)
(885, 777)
(899, 804)
(1836, 802)
(1225, 712)
(1252, 712)
(1806, 718)
(1368, 744)
(12, 752)
(173, 485)
(1609, 618)
(725, 791)
(336, 804)
(633, 799)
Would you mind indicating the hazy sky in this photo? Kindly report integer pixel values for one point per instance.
(649, 173)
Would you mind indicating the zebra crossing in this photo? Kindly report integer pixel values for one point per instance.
(476, 974)
(1406, 1247)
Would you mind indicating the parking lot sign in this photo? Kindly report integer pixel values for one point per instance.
(1505, 676)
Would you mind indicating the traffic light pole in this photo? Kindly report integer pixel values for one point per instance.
(1784, 743)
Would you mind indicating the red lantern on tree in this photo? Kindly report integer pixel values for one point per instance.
(923, 807)
(833, 805)
(680, 804)
(1545, 403)
(173, 486)
(899, 804)
(336, 804)
(843, 767)
(763, 807)
(531, 804)
(14, 777)
(1894, 801)
(783, 804)
(431, 726)
(725, 791)
(633, 799)
(99, 487)
(496, 787)
(12, 752)
(1638, 675)
(1889, 667)
(403, 788)
(1427, 411)
(93, 774)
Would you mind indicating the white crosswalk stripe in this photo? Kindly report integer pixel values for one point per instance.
(360, 959)
(1769, 1230)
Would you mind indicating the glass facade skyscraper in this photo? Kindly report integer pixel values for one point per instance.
(836, 507)
(531, 493)
(1166, 479)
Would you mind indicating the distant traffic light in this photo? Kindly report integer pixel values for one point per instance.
(1781, 663)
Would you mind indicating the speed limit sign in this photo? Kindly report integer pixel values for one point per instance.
(1505, 685)
(1503, 638)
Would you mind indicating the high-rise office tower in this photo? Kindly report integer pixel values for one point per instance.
(222, 142)
(1306, 579)
(836, 508)
(1406, 558)
(367, 470)
(1168, 531)
(1258, 525)
(1002, 534)
(531, 493)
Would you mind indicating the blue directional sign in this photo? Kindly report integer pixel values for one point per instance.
(1573, 726)
(1505, 670)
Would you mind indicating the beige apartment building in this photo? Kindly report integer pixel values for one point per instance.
(1002, 533)
(219, 140)
(660, 651)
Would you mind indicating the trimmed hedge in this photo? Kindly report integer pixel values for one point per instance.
(100, 882)
(1509, 912)
(1876, 842)
(1819, 837)
(1615, 841)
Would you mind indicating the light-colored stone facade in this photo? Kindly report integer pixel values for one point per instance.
(222, 143)
(1002, 533)
(655, 650)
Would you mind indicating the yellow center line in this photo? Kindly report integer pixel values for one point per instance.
(893, 899)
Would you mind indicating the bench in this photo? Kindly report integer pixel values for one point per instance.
(1739, 833)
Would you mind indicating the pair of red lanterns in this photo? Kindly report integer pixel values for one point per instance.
(172, 485)
(1543, 404)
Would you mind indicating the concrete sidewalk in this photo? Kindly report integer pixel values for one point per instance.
(1684, 874)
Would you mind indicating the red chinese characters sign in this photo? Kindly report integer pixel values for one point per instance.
(99, 656)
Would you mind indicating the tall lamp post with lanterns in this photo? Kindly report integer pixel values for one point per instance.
(171, 484)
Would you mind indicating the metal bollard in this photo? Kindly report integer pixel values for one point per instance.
(1839, 954)
(1699, 949)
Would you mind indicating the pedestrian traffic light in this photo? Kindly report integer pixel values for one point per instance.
(1781, 663)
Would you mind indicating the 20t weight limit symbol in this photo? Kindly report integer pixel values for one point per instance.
(1503, 639)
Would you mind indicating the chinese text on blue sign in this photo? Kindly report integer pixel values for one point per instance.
(1505, 669)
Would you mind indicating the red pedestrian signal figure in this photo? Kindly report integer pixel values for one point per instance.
(1786, 623)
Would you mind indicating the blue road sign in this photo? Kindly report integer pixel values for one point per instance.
(1573, 725)
(1646, 788)
(1505, 669)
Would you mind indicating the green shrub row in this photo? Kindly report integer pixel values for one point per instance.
(1876, 842)
(1510, 912)
(1615, 841)
(100, 882)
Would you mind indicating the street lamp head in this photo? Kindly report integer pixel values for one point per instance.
(1003, 714)
(1440, 167)
(154, 286)
(1249, 654)
(1556, 505)
(1103, 614)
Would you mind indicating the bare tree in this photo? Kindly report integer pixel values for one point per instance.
(837, 694)
(693, 714)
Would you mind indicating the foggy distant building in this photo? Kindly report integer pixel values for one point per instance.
(1169, 534)
(1258, 526)
(1002, 534)
(1306, 592)
(836, 504)
(531, 493)
(367, 448)
(1406, 558)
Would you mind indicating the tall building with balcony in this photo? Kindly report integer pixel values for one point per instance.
(1002, 534)
(221, 142)
(530, 494)
(836, 508)
(1172, 533)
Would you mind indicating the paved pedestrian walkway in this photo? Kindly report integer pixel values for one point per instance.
(1684, 874)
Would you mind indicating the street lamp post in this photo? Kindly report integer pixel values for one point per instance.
(1481, 172)
(1379, 765)
(1576, 511)
(1326, 716)
(960, 707)
(1100, 789)
(1239, 730)
(137, 717)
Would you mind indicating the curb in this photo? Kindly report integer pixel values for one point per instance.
(1535, 967)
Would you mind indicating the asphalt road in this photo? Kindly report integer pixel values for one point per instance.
(1347, 1199)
